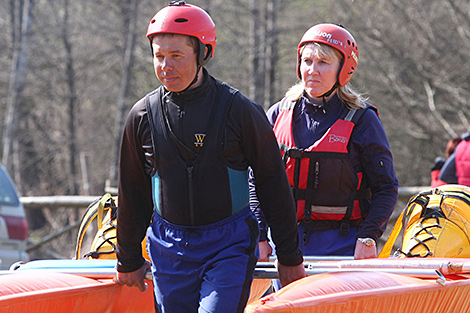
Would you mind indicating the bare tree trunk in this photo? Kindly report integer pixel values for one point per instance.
(17, 167)
(124, 90)
(16, 9)
(271, 52)
(21, 19)
(84, 165)
(72, 101)
(257, 87)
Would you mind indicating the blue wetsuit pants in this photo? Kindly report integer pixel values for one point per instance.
(327, 242)
(205, 268)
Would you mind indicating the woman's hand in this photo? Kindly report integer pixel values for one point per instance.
(265, 251)
(364, 251)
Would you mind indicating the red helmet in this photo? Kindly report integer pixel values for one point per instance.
(337, 37)
(185, 19)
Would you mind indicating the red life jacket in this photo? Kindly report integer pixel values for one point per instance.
(462, 162)
(326, 187)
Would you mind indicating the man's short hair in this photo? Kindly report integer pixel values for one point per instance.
(193, 42)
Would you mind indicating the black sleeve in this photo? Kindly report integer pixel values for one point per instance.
(135, 196)
(254, 202)
(272, 187)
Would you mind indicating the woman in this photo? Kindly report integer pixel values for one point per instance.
(337, 156)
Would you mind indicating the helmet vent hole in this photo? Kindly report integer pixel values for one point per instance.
(349, 42)
(181, 20)
(152, 21)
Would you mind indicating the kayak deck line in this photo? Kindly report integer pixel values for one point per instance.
(426, 268)
(418, 273)
(319, 258)
(431, 268)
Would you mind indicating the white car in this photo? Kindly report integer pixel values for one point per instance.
(13, 224)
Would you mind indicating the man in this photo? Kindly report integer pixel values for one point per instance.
(185, 154)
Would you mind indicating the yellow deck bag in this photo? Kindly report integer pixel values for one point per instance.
(103, 212)
(435, 223)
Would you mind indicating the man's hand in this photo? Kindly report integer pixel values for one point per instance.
(265, 251)
(363, 251)
(134, 279)
(288, 274)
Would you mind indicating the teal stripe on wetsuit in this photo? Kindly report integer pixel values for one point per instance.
(156, 193)
(238, 189)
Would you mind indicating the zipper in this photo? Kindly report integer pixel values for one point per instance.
(189, 170)
(317, 171)
(316, 180)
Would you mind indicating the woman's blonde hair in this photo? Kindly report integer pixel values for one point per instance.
(351, 98)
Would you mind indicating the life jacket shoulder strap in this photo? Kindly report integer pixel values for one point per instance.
(355, 115)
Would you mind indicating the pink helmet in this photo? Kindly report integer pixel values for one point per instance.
(337, 37)
(186, 19)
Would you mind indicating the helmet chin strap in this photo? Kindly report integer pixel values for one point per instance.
(328, 93)
(201, 60)
(335, 86)
(194, 80)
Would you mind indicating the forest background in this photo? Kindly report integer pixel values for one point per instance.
(73, 69)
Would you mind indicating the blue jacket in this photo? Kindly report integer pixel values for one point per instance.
(369, 153)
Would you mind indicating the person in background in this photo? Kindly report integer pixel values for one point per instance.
(185, 154)
(439, 162)
(336, 153)
(456, 169)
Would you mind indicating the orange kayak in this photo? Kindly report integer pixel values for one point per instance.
(368, 291)
(376, 285)
(58, 286)
(45, 291)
